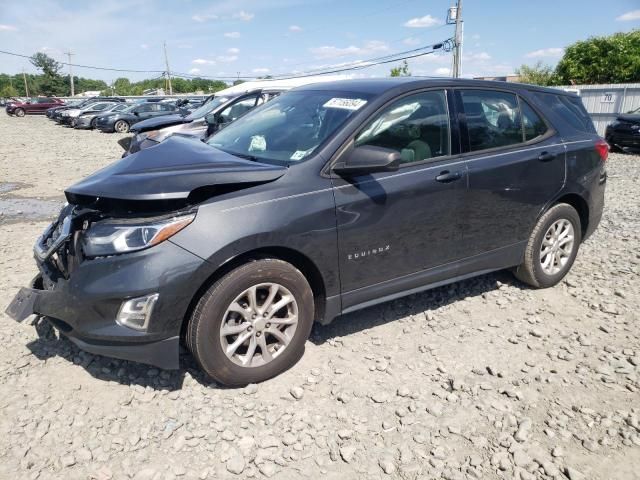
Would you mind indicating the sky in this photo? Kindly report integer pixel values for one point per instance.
(246, 38)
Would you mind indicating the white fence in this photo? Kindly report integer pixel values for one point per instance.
(605, 102)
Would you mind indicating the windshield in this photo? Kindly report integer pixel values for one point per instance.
(207, 108)
(289, 128)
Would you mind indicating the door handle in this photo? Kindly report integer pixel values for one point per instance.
(446, 176)
(546, 156)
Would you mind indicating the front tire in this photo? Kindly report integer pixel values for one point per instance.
(19, 112)
(252, 324)
(121, 126)
(552, 247)
(92, 124)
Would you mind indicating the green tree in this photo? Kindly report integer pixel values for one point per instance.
(8, 91)
(44, 62)
(401, 71)
(50, 83)
(611, 59)
(538, 74)
(122, 86)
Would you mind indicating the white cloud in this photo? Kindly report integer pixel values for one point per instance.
(8, 28)
(411, 41)
(227, 58)
(233, 51)
(545, 52)
(475, 36)
(244, 16)
(295, 28)
(423, 22)
(442, 71)
(194, 71)
(482, 56)
(204, 17)
(144, 46)
(625, 17)
(203, 61)
(260, 70)
(232, 34)
(369, 48)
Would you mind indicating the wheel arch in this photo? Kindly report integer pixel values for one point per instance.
(299, 260)
(580, 204)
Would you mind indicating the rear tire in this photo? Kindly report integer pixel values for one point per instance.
(229, 315)
(552, 247)
(19, 112)
(121, 126)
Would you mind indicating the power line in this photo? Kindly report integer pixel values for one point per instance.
(87, 66)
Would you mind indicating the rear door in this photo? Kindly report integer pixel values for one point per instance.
(516, 166)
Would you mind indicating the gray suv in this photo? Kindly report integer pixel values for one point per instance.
(329, 198)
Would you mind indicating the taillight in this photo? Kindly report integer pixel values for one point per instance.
(602, 148)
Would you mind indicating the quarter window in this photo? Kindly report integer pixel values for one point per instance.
(534, 126)
(416, 126)
(493, 119)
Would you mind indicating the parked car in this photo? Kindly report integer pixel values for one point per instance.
(624, 133)
(33, 106)
(218, 112)
(121, 121)
(87, 118)
(325, 200)
(56, 113)
(69, 117)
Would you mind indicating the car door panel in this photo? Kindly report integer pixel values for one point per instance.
(397, 224)
(508, 188)
(394, 225)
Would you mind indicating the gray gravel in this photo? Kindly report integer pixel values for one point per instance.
(481, 379)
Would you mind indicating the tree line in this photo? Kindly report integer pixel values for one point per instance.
(609, 59)
(51, 82)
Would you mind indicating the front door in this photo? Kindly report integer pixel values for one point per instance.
(517, 165)
(393, 226)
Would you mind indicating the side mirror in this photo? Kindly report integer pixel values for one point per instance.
(125, 143)
(368, 159)
(211, 119)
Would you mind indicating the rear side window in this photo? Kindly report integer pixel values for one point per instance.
(534, 126)
(493, 119)
(570, 110)
(416, 126)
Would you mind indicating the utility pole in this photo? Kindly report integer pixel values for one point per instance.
(166, 60)
(69, 54)
(455, 14)
(26, 88)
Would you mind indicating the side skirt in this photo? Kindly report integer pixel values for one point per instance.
(501, 258)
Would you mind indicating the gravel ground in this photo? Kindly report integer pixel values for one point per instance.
(481, 379)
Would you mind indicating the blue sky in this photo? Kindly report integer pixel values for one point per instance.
(259, 37)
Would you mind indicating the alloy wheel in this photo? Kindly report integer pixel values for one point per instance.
(557, 246)
(259, 324)
(121, 126)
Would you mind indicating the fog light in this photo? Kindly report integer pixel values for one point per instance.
(135, 313)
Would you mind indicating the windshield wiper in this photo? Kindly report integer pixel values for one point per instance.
(246, 156)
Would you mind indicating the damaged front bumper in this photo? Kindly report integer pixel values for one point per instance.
(81, 297)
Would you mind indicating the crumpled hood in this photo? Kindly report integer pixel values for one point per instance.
(158, 122)
(172, 170)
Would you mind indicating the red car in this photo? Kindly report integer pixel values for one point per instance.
(35, 105)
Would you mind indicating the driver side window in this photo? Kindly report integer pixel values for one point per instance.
(416, 126)
(235, 111)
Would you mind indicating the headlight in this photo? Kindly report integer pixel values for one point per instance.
(154, 136)
(111, 237)
(635, 127)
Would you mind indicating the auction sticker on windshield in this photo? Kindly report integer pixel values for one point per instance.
(345, 103)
